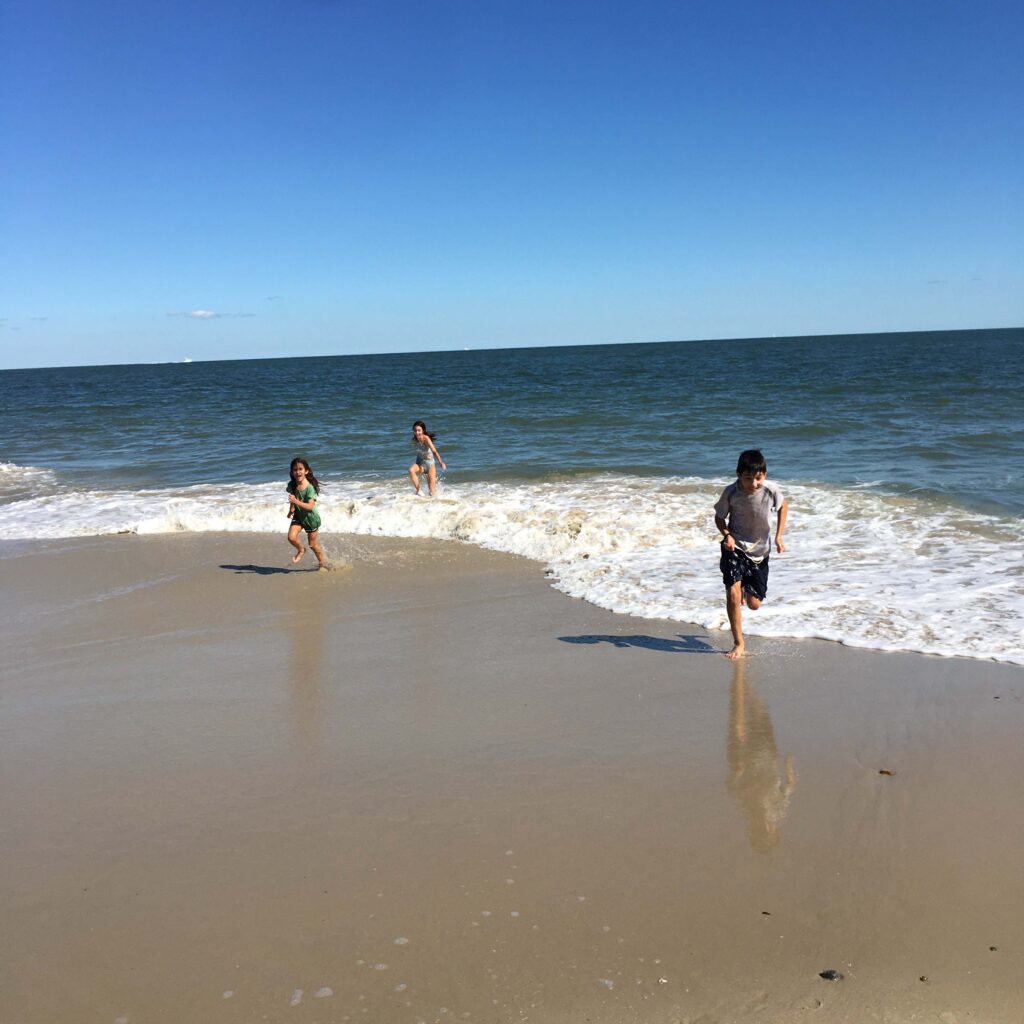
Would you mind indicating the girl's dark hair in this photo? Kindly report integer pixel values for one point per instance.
(309, 475)
(751, 461)
(420, 423)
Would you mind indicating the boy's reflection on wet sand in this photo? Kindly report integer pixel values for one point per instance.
(755, 779)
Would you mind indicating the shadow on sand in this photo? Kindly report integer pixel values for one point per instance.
(680, 645)
(264, 570)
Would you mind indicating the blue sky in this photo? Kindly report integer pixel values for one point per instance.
(227, 180)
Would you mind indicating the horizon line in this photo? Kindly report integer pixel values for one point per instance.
(186, 360)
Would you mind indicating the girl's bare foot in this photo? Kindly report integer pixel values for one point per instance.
(296, 559)
(736, 652)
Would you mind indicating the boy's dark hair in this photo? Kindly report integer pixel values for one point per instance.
(751, 461)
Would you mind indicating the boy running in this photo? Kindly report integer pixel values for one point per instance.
(743, 515)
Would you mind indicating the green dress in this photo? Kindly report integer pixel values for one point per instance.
(310, 520)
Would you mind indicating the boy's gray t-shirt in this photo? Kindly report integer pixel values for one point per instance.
(749, 517)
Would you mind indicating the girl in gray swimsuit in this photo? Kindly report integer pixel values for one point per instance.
(426, 454)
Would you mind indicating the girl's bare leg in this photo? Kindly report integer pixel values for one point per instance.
(431, 478)
(414, 476)
(293, 538)
(314, 546)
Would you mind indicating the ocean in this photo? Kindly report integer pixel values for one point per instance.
(902, 456)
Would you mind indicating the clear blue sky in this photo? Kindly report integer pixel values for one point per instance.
(339, 177)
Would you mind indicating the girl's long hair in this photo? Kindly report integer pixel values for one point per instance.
(309, 475)
(420, 423)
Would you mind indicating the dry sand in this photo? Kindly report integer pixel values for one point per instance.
(428, 787)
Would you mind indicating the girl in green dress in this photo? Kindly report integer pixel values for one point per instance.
(303, 489)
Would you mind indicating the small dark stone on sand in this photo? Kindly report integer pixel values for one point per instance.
(885, 771)
(767, 913)
(924, 977)
(831, 975)
(992, 949)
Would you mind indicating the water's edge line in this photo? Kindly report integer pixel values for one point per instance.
(9, 547)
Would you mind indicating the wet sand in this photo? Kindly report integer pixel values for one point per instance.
(428, 787)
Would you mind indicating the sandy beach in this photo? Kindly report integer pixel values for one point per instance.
(428, 787)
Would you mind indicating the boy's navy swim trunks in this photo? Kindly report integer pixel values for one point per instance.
(736, 566)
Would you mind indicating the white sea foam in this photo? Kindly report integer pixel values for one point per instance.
(16, 481)
(866, 569)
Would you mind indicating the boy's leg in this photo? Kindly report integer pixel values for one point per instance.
(755, 584)
(733, 568)
(734, 608)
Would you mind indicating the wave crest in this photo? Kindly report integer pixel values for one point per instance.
(890, 572)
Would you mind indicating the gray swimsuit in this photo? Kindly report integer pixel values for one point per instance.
(424, 456)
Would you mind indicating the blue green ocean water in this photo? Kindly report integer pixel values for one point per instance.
(902, 456)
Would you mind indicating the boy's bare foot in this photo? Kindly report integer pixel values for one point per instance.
(736, 652)
(298, 557)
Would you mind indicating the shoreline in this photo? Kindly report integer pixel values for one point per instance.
(226, 777)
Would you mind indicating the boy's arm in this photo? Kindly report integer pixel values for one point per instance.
(722, 510)
(727, 538)
(783, 510)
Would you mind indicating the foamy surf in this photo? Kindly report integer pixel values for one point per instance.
(862, 568)
(17, 481)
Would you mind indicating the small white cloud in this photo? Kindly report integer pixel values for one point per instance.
(207, 314)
